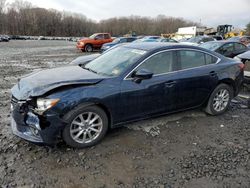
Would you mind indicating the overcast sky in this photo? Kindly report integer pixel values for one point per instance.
(210, 12)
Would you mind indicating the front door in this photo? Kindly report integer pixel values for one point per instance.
(151, 96)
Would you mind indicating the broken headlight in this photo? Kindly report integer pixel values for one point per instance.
(45, 104)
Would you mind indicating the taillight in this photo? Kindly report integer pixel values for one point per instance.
(242, 66)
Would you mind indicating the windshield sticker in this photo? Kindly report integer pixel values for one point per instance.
(136, 51)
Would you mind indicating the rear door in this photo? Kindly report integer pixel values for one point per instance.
(197, 77)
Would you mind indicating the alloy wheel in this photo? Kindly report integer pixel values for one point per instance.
(86, 127)
(221, 100)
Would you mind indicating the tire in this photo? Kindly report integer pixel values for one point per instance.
(219, 100)
(88, 48)
(79, 128)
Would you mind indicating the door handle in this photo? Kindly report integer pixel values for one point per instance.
(213, 74)
(170, 83)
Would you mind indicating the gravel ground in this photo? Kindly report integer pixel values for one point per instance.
(188, 149)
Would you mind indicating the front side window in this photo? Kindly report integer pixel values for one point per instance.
(159, 63)
(191, 59)
(99, 37)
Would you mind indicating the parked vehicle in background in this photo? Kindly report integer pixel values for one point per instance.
(245, 58)
(148, 39)
(183, 40)
(83, 60)
(166, 40)
(226, 48)
(217, 37)
(128, 83)
(116, 41)
(95, 41)
(4, 38)
(41, 38)
(243, 39)
(195, 41)
(17, 37)
(152, 37)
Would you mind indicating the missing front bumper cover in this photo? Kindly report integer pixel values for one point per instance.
(27, 133)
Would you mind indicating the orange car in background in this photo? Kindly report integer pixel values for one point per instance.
(95, 41)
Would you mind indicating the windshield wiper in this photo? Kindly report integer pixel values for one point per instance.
(90, 70)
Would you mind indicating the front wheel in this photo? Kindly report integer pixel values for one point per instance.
(219, 100)
(86, 127)
(88, 48)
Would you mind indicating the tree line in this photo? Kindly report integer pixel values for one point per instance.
(22, 18)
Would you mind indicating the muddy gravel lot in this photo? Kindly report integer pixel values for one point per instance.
(188, 149)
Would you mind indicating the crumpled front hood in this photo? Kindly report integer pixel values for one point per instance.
(39, 83)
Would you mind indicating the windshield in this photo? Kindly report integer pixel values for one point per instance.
(93, 36)
(115, 61)
(211, 45)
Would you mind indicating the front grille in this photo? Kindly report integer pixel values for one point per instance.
(14, 101)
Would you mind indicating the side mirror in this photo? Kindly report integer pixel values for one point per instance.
(142, 74)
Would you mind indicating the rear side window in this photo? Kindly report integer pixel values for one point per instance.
(210, 59)
(239, 46)
(159, 63)
(190, 59)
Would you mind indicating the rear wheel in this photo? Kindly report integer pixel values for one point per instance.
(86, 127)
(219, 100)
(88, 48)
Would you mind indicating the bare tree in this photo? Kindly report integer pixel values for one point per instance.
(22, 18)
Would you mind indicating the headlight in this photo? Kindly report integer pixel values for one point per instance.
(82, 43)
(45, 104)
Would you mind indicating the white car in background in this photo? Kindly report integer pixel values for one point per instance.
(195, 41)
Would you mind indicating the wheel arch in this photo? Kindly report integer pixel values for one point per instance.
(98, 104)
(229, 82)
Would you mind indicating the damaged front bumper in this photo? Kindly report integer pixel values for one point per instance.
(39, 129)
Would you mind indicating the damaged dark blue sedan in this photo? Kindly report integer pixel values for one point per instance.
(79, 104)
